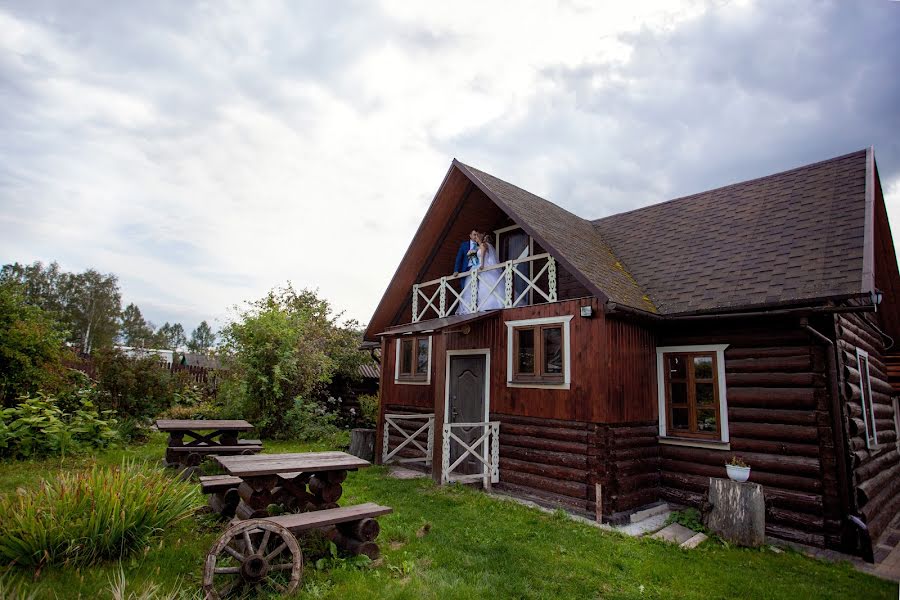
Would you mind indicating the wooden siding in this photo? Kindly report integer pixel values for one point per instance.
(630, 374)
(779, 423)
(876, 471)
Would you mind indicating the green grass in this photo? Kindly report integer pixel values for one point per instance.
(475, 547)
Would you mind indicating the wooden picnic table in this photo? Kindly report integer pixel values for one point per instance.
(299, 481)
(221, 437)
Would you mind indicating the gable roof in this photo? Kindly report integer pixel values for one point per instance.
(788, 237)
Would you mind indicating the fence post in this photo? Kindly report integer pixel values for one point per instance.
(443, 297)
(495, 451)
(508, 274)
(551, 278)
(415, 302)
(384, 442)
(445, 458)
(473, 281)
(430, 453)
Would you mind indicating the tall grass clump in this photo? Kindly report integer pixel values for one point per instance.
(84, 517)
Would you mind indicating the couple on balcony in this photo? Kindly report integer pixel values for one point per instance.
(478, 255)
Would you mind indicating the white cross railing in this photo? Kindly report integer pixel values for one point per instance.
(440, 298)
(485, 449)
(409, 440)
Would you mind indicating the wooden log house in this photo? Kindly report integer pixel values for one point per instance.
(637, 353)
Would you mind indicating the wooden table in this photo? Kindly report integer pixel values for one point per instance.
(222, 438)
(300, 482)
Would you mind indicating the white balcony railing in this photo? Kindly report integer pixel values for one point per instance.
(478, 443)
(521, 282)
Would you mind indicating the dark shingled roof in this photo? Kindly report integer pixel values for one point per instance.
(788, 237)
(571, 239)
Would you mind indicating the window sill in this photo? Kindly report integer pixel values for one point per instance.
(538, 385)
(693, 442)
(412, 382)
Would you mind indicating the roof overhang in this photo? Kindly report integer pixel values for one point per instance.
(442, 324)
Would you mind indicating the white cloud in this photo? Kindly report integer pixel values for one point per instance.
(208, 153)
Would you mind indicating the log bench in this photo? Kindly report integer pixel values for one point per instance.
(263, 553)
(191, 456)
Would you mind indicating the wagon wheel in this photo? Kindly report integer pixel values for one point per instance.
(253, 555)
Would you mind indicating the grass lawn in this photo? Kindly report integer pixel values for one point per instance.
(475, 547)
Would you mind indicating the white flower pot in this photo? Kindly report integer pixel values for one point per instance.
(739, 474)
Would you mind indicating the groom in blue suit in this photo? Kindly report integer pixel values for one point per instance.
(463, 262)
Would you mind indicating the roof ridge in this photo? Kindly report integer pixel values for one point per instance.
(562, 208)
(596, 221)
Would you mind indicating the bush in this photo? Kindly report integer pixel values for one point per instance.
(368, 408)
(81, 518)
(308, 421)
(31, 344)
(284, 346)
(134, 386)
(39, 427)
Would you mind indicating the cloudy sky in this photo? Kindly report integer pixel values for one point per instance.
(206, 152)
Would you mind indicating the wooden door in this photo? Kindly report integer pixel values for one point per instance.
(466, 405)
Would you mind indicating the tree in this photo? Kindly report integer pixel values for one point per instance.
(88, 304)
(285, 346)
(202, 338)
(135, 330)
(31, 343)
(170, 337)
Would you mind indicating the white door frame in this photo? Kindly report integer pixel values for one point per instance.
(486, 352)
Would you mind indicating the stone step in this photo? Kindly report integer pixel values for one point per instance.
(674, 533)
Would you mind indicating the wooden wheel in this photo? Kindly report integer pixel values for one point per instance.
(253, 555)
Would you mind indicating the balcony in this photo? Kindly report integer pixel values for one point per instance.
(523, 281)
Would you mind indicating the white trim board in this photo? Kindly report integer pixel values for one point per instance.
(397, 379)
(873, 444)
(719, 349)
(565, 321)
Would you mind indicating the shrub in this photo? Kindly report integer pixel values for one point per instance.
(368, 408)
(134, 386)
(286, 345)
(39, 427)
(308, 421)
(31, 343)
(81, 518)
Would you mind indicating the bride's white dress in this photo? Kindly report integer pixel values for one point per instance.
(491, 290)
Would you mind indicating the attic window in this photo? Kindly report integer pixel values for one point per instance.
(413, 360)
(865, 397)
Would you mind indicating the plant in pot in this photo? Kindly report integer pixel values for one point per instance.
(737, 469)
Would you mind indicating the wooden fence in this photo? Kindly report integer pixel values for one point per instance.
(205, 376)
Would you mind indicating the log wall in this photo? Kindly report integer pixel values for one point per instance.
(875, 471)
(779, 423)
(560, 461)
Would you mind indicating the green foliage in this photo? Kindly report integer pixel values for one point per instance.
(134, 386)
(39, 427)
(88, 303)
(169, 336)
(135, 330)
(202, 338)
(690, 518)
(31, 343)
(201, 410)
(308, 421)
(284, 346)
(81, 518)
(333, 560)
(368, 408)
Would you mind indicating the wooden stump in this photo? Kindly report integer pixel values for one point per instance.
(737, 512)
(362, 444)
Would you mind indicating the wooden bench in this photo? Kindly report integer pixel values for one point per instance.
(264, 552)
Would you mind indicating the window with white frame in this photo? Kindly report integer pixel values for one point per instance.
(538, 353)
(865, 398)
(693, 408)
(412, 360)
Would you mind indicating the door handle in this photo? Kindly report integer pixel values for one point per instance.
(454, 413)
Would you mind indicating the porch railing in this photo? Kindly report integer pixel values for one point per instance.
(519, 280)
(485, 449)
(409, 440)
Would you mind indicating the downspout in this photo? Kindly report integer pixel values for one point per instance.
(849, 516)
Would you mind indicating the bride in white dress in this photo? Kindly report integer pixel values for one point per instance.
(491, 290)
